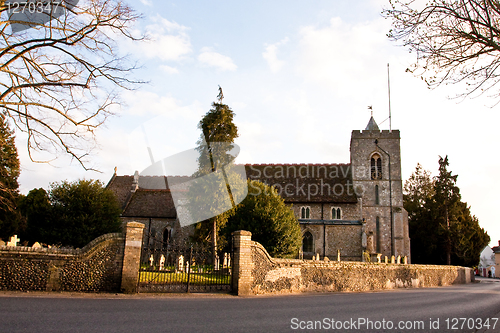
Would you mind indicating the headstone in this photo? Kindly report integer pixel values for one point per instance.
(217, 263)
(162, 262)
(13, 241)
(398, 260)
(36, 245)
(225, 263)
(151, 260)
(393, 260)
(179, 265)
(338, 255)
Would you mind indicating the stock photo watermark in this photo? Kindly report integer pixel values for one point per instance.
(25, 14)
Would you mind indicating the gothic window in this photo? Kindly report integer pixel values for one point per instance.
(307, 242)
(377, 197)
(167, 234)
(336, 213)
(305, 212)
(376, 167)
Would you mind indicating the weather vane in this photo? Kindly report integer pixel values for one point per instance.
(220, 96)
(371, 109)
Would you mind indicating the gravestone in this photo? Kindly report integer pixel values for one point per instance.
(179, 264)
(162, 262)
(13, 241)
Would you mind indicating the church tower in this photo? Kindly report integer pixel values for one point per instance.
(376, 173)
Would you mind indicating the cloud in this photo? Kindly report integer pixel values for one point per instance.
(147, 2)
(166, 40)
(169, 70)
(213, 59)
(340, 54)
(270, 55)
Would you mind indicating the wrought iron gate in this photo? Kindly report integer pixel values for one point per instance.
(183, 267)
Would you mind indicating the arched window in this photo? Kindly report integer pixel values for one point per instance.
(167, 234)
(336, 213)
(307, 242)
(376, 167)
(305, 212)
(377, 197)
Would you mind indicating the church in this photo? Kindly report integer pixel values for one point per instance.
(343, 209)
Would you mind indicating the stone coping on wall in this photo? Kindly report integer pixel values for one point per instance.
(275, 275)
(64, 252)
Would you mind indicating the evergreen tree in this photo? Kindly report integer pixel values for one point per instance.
(271, 222)
(71, 213)
(442, 229)
(9, 172)
(218, 133)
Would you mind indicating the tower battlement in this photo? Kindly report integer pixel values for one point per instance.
(367, 134)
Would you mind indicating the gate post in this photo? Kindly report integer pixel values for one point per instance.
(242, 262)
(132, 257)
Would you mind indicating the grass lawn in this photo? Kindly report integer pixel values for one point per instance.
(195, 278)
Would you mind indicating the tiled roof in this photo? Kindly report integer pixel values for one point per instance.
(150, 203)
(121, 186)
(307, 182)
(295, 182)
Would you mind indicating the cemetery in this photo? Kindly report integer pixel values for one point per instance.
(112, 263)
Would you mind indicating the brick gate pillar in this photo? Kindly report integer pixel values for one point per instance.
(242, 262)
(132, 257)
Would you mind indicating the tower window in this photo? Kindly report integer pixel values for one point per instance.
(305, 212)
(307, 242)
(377, 197)
(376, 167)
(336, 213)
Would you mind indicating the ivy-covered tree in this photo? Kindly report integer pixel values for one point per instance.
(9, 173)
(271, 222)
(218, 133)
(442, 229)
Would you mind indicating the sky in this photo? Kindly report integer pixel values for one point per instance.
(299, 76)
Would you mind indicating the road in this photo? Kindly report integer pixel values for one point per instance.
(406, 310)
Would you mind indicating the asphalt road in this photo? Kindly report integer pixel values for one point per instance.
(407, 310)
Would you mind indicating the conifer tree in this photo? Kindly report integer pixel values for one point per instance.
(442, 228)
(9, 173)
(218, 133)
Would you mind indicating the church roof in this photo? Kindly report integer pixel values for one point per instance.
(372, 125)
(150, 203)
(296, 183)
(307, 182)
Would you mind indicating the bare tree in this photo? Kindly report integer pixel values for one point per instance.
(454, 40)
(60, 79)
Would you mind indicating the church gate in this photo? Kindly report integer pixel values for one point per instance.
(182, 267)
